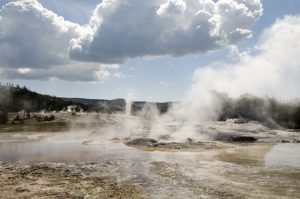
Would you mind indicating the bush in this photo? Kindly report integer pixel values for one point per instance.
(28, 116)
(3, 117)
(52, 117)
(17, 118)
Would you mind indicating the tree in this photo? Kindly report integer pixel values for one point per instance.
(3, 117)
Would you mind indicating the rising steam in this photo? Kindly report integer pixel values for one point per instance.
(217, 91)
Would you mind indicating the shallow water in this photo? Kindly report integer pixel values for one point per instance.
(286, 154)
(238, 169)
(55, 149)
(66, 147)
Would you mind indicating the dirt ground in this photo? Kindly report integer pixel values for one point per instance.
(264, 163)
(155, 178)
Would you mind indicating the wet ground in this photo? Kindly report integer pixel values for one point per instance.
(80, 164)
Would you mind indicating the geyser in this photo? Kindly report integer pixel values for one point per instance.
(129, 99)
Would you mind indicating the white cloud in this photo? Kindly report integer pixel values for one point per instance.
(102, 74)
(120, 75)
(34, 45)
(172, 7)
(32, 36)
(235, 54)
(24, 70)
(109, 66)
(46, 45)
(73, 71)
(132, 28)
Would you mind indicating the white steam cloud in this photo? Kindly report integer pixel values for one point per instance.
(272, 70)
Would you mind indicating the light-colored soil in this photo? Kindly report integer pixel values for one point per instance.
(62, 181)
(40, 160)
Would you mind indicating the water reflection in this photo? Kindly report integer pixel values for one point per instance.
(70, 148)
(287, 154)
(51, 149)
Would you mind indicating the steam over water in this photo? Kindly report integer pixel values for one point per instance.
(103, 144)
(97, 148)
(284, 155)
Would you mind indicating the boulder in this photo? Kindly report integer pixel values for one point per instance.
(142, 142)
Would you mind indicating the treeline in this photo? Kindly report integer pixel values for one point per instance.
(16, 98)
(117, 105)
(269, 111)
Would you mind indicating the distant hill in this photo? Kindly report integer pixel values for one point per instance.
(97, 101)
(16, 98)
(136, 106)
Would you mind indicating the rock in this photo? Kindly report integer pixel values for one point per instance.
(285, 141)
(234, 138)
(243, 139)
(142, 142)
(21, 190)
(190, 140)
(240, 121)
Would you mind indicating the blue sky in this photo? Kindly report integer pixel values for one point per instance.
(163, 78)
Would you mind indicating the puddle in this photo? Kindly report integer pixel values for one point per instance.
(69, 149)
(40, 151)
(160, 173)
(52, 150)
(286, 154)
(250, 155)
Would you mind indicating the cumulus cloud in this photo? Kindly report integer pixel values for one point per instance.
(36, 43)
(32, 36)
(120, 30)
(172, 7)
(24, 70)
(73, 71)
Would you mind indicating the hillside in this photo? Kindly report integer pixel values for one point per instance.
(136, 106)
(16, 98)
(120, 102)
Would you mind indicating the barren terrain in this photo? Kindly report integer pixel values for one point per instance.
(239, 160)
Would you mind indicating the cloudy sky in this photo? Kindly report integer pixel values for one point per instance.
(157, 50)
